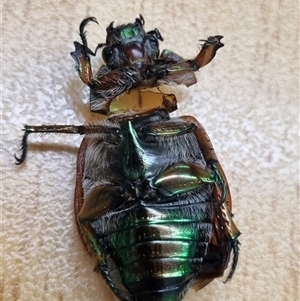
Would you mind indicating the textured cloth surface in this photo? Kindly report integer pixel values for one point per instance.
(247, 98)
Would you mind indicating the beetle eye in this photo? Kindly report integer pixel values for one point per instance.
(106, 54)
(153, 41)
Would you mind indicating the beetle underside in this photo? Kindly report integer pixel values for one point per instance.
(152, 202)
(150, 215)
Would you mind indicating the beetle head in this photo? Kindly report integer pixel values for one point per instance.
(123, 34)
(129, 44)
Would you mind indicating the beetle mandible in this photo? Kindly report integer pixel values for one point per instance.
(152, 203)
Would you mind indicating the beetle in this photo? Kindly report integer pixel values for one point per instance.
(152, 202)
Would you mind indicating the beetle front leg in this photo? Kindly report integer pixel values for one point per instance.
(109, 85)
(82, 34)
(208, 51)
(182, 71)
(82, 53)
(83, 64)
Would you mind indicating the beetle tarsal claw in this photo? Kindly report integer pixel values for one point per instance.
(82, 34)
(22, 158)
(85, 22)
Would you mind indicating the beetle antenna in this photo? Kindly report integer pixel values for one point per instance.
(156, 33)
(140, 20)
(98, 47)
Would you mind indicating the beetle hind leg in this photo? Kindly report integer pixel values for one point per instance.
(235, 249)
(62, 129)
(220, 181)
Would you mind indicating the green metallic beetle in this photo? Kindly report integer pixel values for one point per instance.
(152, 202)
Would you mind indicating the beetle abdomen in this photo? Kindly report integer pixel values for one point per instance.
(155, 250)
(148, 215)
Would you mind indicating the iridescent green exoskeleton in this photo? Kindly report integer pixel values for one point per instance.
(152, 202)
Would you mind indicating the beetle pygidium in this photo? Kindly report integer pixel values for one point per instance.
(152, 202)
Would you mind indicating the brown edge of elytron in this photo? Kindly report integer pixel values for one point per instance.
(208, 152)
(78, 197)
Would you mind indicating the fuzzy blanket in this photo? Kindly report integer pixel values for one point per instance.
(247, 98)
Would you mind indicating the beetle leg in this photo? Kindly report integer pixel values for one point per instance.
(101, 266)
(227, 231)
(82, 53)
(170, 55)
(172, 68)
(181, 178)
(208, 51)
(108, 86)
(103, 269)
(220, 182)
(62, 129)
(140, 20)
(101, 199)
(83, 64)
(167, 129)
(182, 71)
(223, 242)
(82, 34)
(235, 249)
(90, 241)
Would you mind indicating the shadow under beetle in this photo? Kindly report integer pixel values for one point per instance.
(152, 202)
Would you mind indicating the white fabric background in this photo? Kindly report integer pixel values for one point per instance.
(247, 98)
